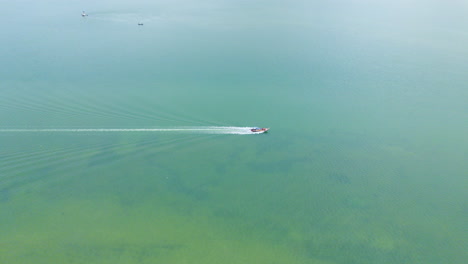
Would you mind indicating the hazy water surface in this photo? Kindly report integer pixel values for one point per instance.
(122, 143)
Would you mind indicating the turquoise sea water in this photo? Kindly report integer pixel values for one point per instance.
(365, 161)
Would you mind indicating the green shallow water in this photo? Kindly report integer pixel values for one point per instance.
(365, 161)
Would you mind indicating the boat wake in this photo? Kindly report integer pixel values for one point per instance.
(193, 130)
(122, 17)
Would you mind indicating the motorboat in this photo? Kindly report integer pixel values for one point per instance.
(259, 130)
(140, 24)
(83, 14)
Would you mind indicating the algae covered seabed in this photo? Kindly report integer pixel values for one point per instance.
(365, 161)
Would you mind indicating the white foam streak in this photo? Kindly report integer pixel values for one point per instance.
(198, 130)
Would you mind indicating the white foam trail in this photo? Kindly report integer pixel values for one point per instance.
(198, 130)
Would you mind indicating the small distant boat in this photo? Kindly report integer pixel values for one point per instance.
(83, 14)
(259, 130)
(140, 24)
